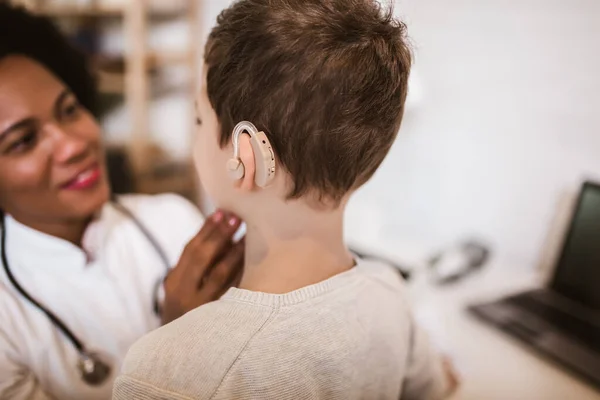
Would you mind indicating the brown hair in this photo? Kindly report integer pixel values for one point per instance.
(326, 80)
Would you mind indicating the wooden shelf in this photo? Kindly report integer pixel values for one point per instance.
(77, 11)
(153, 60)
(168, 58)
(105, 11)
(112, 79)
(174, 177)
(115, 84)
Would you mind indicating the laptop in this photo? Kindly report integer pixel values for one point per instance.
(562, 320)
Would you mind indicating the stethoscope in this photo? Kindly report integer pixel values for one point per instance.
(92, 369)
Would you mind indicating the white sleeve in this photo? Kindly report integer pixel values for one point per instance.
(425, 378)
(16, 382)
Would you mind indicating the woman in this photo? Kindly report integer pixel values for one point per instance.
(81, 276)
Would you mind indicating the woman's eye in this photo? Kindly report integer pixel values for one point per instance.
(198, 121)
(71, 110)
(24, 143)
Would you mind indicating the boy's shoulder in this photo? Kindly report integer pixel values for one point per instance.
(190, 356)
(382, 273)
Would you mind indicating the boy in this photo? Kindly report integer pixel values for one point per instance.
(326, 81)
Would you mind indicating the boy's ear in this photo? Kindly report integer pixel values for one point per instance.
(247, 158)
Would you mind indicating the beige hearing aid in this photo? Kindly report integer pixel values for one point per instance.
(264, 157)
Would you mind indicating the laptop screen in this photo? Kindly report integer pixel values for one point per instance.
(577, 274)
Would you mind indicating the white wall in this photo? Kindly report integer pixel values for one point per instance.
(508, 118)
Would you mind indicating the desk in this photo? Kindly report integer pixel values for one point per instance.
(493, 366)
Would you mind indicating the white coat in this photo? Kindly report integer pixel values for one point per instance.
(104, 293)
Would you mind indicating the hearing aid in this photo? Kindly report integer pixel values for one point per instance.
(264, 158)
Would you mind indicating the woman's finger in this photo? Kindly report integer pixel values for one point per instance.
(235, 279)
(207, 253)
(221, 276)
(209, 257)
(209, 225)
(205, 248)
(188, 255)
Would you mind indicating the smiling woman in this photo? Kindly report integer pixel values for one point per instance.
(83, 273)
(52, 167)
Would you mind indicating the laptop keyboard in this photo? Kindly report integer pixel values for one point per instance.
(577, 328)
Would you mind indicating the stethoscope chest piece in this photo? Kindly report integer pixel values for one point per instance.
(92, 369)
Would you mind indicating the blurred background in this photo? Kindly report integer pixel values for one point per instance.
(502, 126)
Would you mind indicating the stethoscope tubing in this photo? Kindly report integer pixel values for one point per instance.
(56, 321)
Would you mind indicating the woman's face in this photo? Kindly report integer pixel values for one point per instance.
(52, 164)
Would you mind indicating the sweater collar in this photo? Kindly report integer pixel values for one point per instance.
(296, 296)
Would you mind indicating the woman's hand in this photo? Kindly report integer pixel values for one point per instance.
(209, 265)
(452, 376)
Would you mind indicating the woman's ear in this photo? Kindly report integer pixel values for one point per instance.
(247, 158)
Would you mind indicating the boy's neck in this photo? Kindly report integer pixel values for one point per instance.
(294, 247)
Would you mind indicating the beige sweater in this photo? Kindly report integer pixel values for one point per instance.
(349, 337)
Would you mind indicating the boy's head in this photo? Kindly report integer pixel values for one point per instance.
(326, 80)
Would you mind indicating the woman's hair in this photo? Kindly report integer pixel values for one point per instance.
(36, 37)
